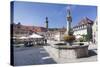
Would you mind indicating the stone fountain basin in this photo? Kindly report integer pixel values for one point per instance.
(70, 52)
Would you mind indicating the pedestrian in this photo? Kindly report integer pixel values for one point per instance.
(45, 41)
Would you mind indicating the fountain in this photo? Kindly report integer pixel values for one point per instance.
(70, 50)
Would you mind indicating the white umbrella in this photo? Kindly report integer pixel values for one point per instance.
(79, 36)
(23, 37)
(14, 37)
(35, 36)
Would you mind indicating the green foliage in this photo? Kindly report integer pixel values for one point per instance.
(86, 37)
(82, 40)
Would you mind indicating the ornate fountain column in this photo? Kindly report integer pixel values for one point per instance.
(69, 20)
(68, 37)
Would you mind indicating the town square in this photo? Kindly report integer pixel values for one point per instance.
(46, 33)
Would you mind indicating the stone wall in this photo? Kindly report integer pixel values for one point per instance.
(69, 52)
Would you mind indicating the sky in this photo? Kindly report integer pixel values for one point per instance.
(34, 14)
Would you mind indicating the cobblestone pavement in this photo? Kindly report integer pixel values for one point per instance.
(41, 55)
(31, 56)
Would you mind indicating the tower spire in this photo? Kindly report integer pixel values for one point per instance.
(46, 18)
(46, 22)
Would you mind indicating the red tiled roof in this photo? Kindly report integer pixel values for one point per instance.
(29, 28)
(84, 21)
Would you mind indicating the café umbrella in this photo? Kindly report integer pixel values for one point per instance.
(35, 36)
(23, 37)
(78, 36)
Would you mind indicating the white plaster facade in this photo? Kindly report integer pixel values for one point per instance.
(59, 36)
(83, 28)
(95, 31)
(80, 32)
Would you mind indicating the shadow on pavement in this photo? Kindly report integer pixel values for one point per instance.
(31, 56)
(46, 57)
(92, 52)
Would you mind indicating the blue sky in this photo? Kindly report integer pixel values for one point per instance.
(30, 13)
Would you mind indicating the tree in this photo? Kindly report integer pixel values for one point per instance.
(87, 37)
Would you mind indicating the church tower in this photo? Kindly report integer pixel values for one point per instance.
(46, 23)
